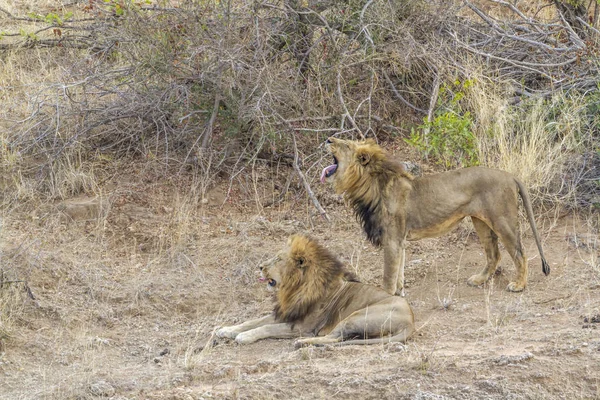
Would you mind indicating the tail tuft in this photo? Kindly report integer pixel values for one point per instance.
(545, 267)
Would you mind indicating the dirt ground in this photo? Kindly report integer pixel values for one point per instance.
(121, 298)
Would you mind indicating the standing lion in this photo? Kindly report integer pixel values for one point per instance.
(317, 296)
(395, 207)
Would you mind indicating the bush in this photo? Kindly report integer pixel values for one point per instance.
(448, 138)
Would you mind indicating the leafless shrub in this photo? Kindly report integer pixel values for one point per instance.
(236, 82)
(539, 50)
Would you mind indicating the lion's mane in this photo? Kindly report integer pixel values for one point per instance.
(366, 181)
(307, 277)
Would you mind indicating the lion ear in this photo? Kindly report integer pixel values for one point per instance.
(364, 159)
(300, 262)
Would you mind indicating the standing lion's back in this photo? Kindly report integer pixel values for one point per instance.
(466, 181)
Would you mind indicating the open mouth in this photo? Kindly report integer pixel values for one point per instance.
(330, 170)
(270, 282)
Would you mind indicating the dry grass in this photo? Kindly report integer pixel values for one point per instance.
(11, 306)
(537, 141)
(165, 257)
(113, 318)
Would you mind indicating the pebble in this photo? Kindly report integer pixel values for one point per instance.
(102, 388)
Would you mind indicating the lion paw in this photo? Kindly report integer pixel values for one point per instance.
(226, 332)
(515, 287)
(244, 338)
(477, 280)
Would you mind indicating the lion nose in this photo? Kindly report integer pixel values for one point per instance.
(328, 141)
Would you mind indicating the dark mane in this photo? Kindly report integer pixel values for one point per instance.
(368, 207)
(369, 215)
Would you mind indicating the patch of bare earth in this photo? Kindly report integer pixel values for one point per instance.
(121, 297)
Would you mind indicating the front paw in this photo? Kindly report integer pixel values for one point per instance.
(391, 289)
(244, 338)
(227, 332)
(515, 287)
(477, 280)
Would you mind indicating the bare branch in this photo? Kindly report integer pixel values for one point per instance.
(305, 183)
(207, 134)
(398, 95)
(432, 103)
(343, 104)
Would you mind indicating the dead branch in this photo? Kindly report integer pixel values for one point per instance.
(2, 283)
(432, 103)
(398, 95)
(207, 134)
(305, 183)
(524, 49)
(343, 104)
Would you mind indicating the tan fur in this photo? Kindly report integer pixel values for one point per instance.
(316, 296)
(395, 207)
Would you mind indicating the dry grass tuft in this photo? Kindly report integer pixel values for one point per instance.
(538, 141)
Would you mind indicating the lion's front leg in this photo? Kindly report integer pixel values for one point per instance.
(393, 268)
(232, 332)
(280, 330)
(400, 286)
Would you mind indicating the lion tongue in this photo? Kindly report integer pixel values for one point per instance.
(326, 172)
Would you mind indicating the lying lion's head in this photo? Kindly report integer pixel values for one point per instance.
(363, 172)
(271, 271)
(302, 274)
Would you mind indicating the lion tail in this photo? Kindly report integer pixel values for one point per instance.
(529, 211)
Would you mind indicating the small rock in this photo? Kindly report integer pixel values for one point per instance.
(511, 360)
(489, 386)
(102, 388)
(594, 319)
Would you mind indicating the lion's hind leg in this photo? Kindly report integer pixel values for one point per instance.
(390, 320)
(317, 341)
(511, 239)
(401, 337)
(489, 241)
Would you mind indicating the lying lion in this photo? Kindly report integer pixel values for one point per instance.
(316, 296)
(394, 207)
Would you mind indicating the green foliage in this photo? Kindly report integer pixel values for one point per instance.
(51, 18)
(27, 35)
(448, 138)
(119, 7)
(593, 112)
